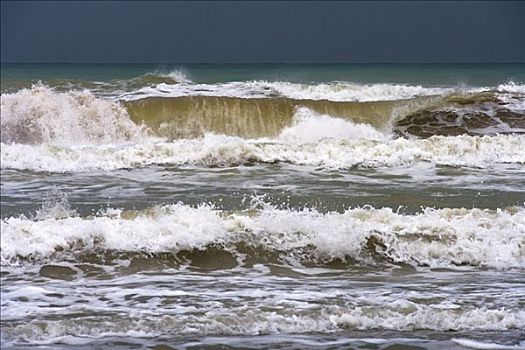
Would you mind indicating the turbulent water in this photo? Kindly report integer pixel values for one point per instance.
(253, 206)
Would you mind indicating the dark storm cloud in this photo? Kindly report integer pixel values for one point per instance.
(263, 32)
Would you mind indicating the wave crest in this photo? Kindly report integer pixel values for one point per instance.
(41, 115)
(436, 238)
(220, 150)
(335, 91)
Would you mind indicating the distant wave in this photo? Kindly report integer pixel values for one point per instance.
(159, 77)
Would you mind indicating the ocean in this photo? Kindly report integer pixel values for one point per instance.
(278, 206)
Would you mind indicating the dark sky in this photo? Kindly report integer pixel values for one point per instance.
(219, 32)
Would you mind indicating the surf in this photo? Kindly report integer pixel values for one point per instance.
(433, 237)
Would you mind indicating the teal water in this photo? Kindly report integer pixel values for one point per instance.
(419, 74)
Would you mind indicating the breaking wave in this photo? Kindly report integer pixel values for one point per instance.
(335, 92)
(435, 238)
(40, 115)
(292, 146)
(45, 130)
(154, 79)
(193, 116)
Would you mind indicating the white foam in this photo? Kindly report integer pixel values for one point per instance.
(310, 127)
(512, 87)
(252, 321)
(292, 146)
(355, 92)
(516, 105)
(473, 344)
(445, 237)
(179, 227)
(336, 91)
(513, 96)
(177, 75)
(41, 115)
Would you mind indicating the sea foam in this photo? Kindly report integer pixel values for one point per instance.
(41, 115)
(242, 321)
(336, 91)
(289, 147)
(436, 238)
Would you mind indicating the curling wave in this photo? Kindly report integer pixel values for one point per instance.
(41, 115)
(186, 117)
(44, 130)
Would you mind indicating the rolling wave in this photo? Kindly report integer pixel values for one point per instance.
(40, 115)
(187, 117)
(335, 91)
(293, 146)
(435, 238)
(46, 130)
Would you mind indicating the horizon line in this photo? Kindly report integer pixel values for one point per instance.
(269, 63)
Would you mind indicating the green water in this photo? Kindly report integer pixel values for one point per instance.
(419, 74)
